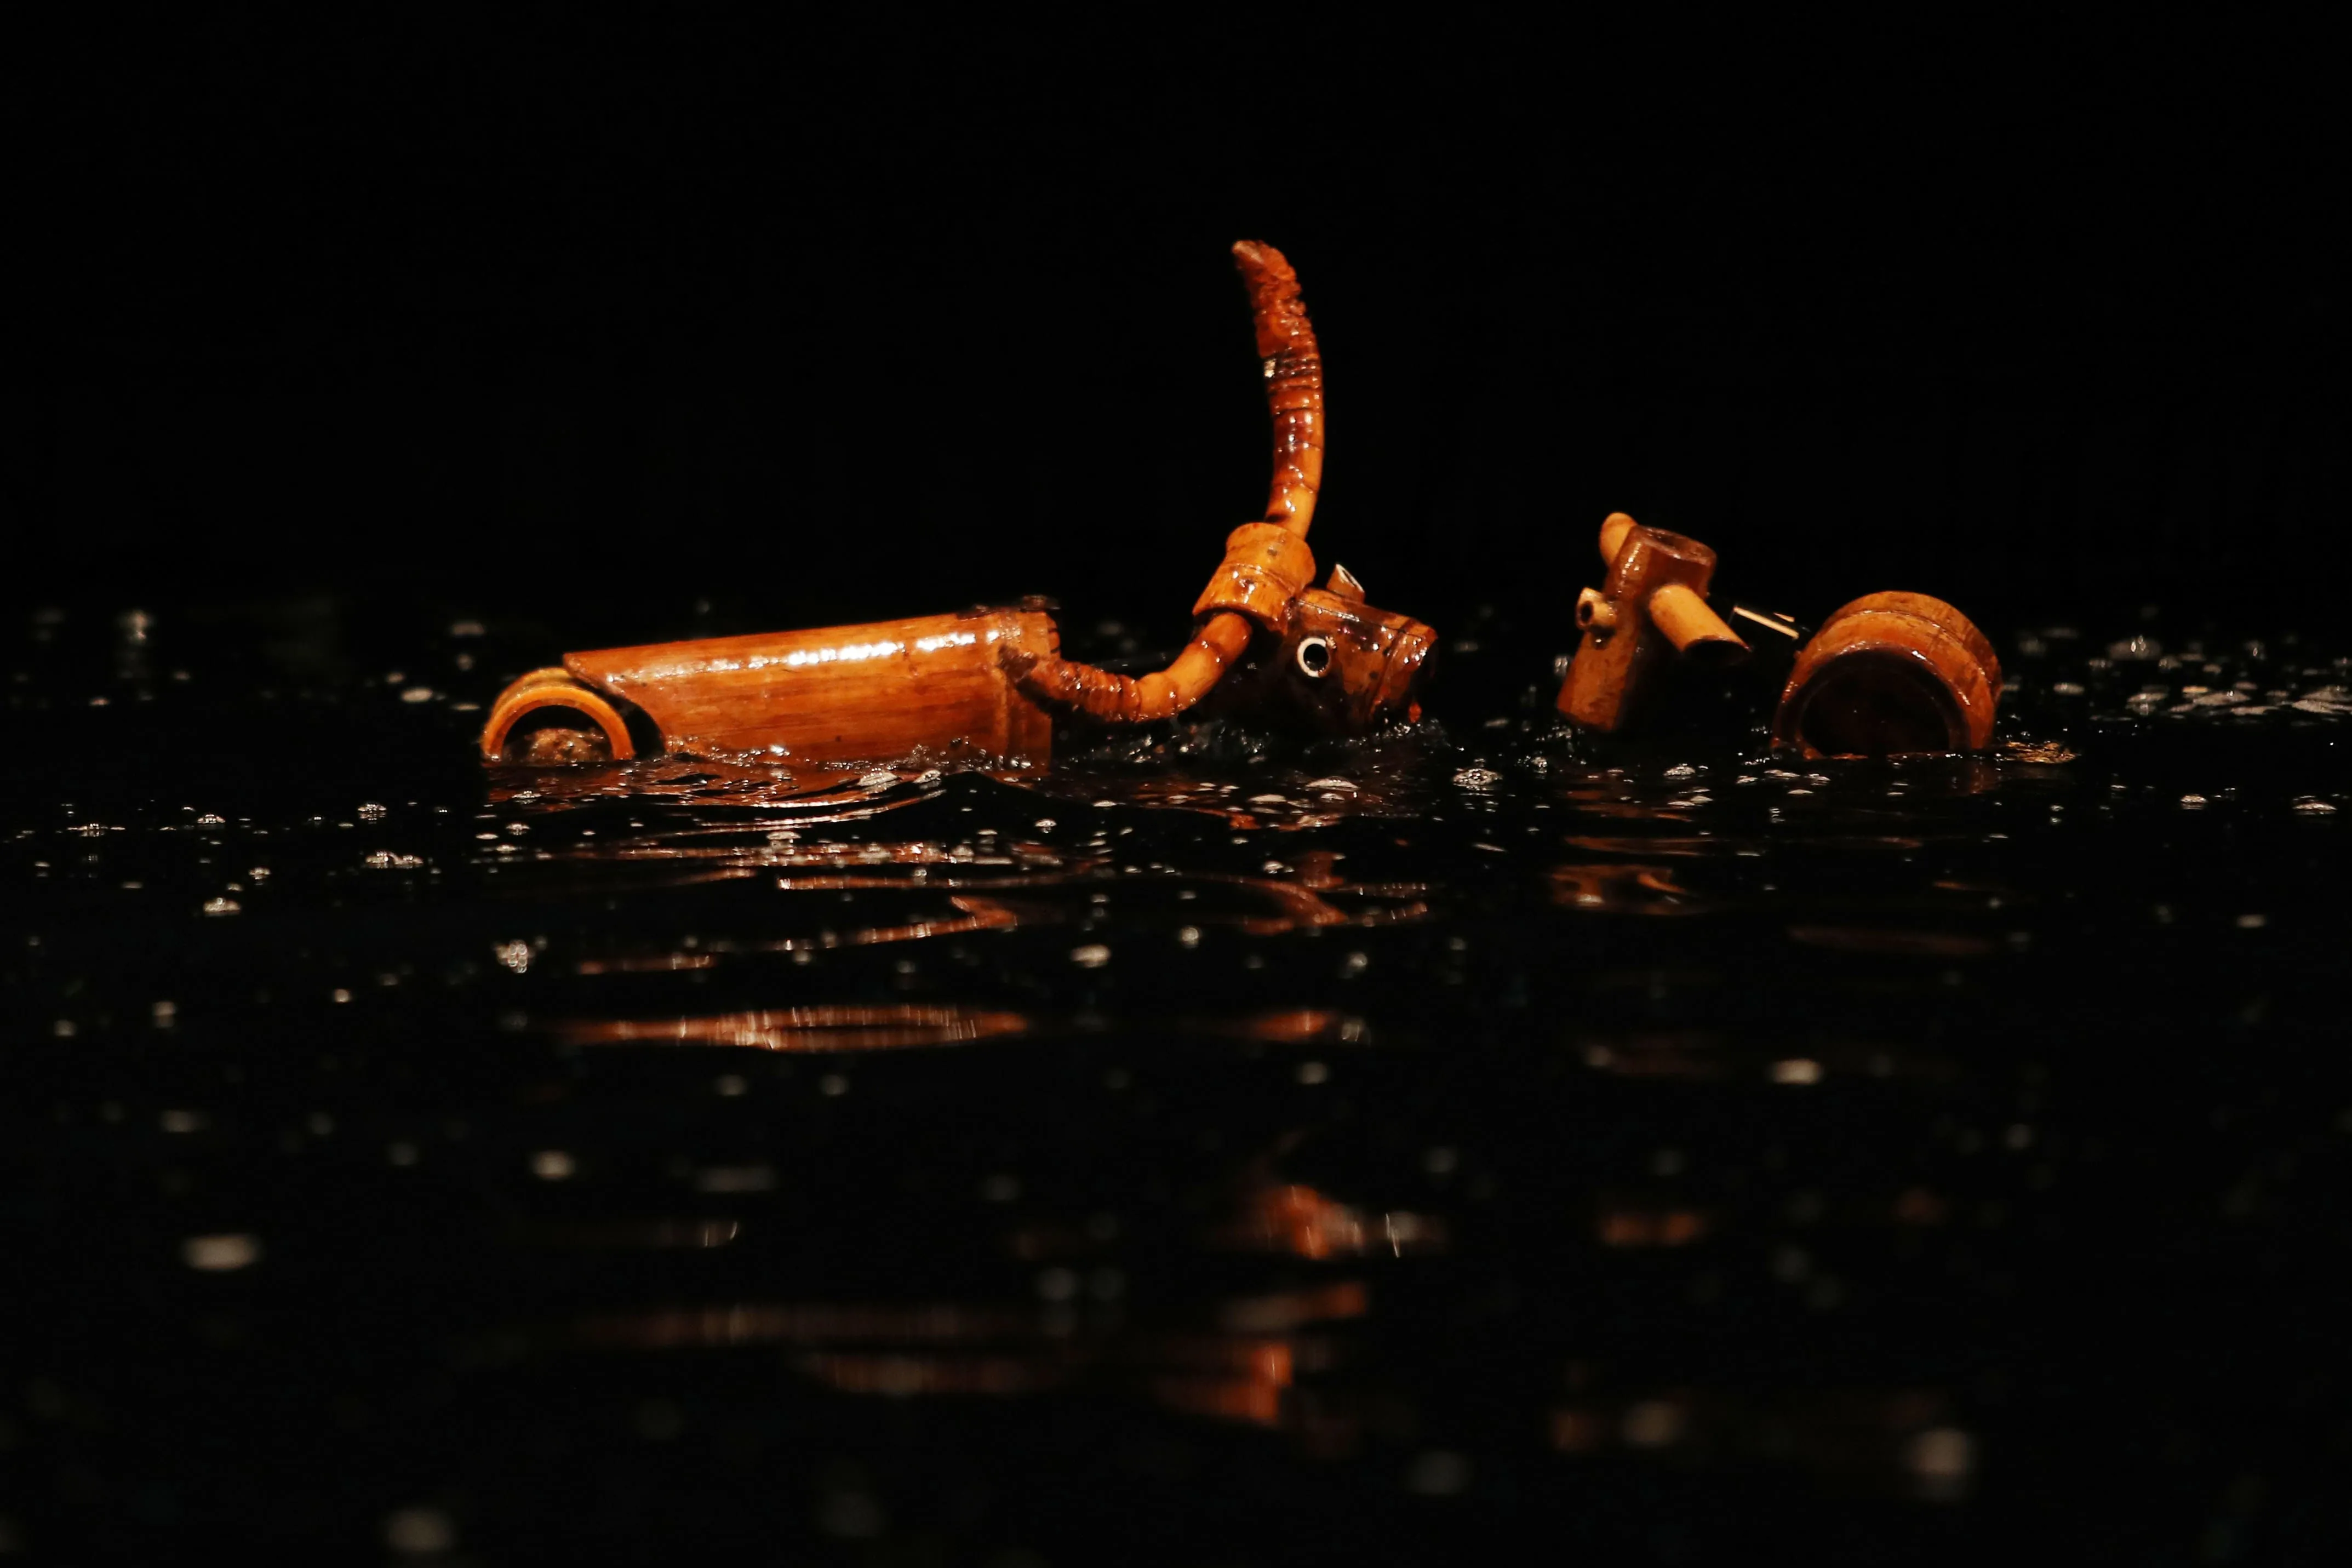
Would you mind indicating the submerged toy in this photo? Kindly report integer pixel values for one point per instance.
(1891, 674)
(992, 683)
(1888, 674)
(1650, 609)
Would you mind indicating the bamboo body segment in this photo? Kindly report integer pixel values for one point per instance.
(1293, 363)
(1114, 698)
(1652, 608)
(841, 694)
(1266, 567)
(1889, 675)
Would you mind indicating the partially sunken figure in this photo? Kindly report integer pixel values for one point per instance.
(1890, 675)
(1650, 611)
(991, 684)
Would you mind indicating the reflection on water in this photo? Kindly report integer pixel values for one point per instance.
(1896, 1440)
(807, 1029)
(904, 1157)
(1239, 1360)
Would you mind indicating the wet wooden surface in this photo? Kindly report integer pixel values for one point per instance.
(1652, 608)
(872, 692)
(1891, 674)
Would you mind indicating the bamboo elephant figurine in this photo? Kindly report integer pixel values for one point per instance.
(992, 683)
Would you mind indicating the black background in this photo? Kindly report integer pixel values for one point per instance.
(580, 325)
(599, 319)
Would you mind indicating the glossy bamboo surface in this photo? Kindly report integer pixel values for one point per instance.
(1891, 674)
(871, 692)
(1242, 588)
(1652, 607)
(1294, 382)
(1114, 698)
(591, 728)
(1340, 667)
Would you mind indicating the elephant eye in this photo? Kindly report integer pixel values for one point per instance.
(1314, 657)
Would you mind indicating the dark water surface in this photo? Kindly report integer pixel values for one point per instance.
(1459, 1144)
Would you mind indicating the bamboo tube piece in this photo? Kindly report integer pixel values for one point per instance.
(836, 694)
(1690, 626)
(1294, 382)
(1891, 675)
(1613, 530)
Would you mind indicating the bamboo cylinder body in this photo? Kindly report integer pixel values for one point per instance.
(874, 693)
(1888, 674)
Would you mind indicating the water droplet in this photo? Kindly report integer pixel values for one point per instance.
(221, 1254)
(735, 1179)
(1438, 1473)
(420, 1532)
(1942, 1458)
(1653, 1424)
